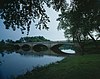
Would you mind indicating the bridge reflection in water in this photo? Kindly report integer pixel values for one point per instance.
(43, 46)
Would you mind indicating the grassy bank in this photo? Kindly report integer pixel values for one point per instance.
(76, 67)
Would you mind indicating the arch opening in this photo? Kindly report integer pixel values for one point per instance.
(56, 49)
(26, 47)
(17, 47)
(40, 47)
(63, 49)
(66, 48)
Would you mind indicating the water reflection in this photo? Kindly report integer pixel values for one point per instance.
(68, 51)
(16, 63)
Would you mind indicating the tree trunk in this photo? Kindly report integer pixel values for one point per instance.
(81, 45)
(93, 39)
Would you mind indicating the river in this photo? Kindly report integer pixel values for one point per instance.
(17, 63)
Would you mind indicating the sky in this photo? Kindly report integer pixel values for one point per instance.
(52, 34)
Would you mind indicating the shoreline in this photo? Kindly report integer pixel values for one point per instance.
(75, 67)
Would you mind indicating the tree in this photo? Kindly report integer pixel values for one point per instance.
(2, 42)
(21, 13)
(9, 41)
(80, 20)
(32, 39)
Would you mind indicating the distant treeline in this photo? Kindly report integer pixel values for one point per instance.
(4, 45)
(8, 44)
(26, 39)
(32, 39)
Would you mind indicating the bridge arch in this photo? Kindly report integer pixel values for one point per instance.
(49, 45)
(40, 47)
(17, 47)
(26, 47)
(56, 49)
(56, 45)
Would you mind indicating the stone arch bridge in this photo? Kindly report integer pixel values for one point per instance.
(48, 44)
(52, 45)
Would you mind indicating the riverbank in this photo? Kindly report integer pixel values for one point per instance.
(75, 67)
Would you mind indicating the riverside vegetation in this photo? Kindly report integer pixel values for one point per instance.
(75, 67)
(9, 44)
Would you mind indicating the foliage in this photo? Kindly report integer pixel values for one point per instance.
(81, 19)
(9, 41)
(32, 39)
(9, 44)
(6, 45)
(2, 44)
(21, 13)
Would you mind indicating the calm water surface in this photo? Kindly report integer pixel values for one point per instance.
(17, 63)
(13, 64)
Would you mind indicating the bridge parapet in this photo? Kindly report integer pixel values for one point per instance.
(49, 44)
